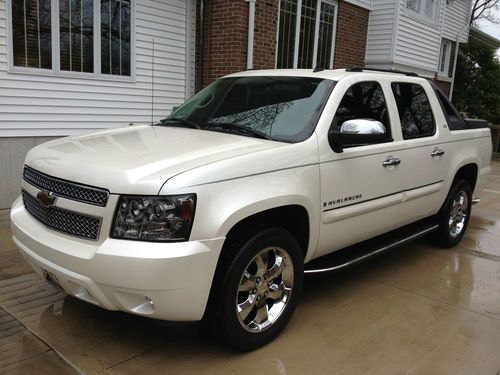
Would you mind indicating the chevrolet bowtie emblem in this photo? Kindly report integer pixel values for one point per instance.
(46, 198)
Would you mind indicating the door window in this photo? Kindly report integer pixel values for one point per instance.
(363, 100)
(415, 113)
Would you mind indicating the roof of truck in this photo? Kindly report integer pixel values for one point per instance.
(333, 74)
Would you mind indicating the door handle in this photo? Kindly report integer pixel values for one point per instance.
(437, 152)
(391, 161)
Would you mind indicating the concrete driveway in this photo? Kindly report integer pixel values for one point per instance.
(416, 310)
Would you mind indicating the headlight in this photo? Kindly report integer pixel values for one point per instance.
(159, 218)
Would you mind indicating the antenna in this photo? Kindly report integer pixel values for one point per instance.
(153, 83)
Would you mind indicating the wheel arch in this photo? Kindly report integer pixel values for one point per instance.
(468, 172)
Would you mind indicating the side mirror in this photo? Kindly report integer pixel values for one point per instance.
(357, 132)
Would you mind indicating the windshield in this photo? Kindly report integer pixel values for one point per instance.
(271, 107)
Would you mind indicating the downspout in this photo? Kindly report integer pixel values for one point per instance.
(455, 61)
(462, 30)
(200, 61)
(251, 28)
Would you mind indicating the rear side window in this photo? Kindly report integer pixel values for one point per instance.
(363, 100)
(415, 113)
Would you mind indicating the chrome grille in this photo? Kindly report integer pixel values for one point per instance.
(62, 220)
(66, 189)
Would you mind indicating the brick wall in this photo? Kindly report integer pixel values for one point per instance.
(444, 86)
(225, 30)
(266, 23)
(225, 33)
(352, 29)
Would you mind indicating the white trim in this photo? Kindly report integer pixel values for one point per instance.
(335, 3)
(334, 33)
(189, 42)
(297, 34)
(316, 32)
(421, 17)
(447, 57)
(55, 47)
(97, 41)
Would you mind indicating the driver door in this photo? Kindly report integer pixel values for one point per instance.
(360, 194)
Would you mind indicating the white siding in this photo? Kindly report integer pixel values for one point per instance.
(417, 43)
(51, 105)
(360, 3)
(405, 42)
(380, 32)
(455, 17)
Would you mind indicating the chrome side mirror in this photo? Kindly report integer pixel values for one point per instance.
(357, 132)
(363, 126)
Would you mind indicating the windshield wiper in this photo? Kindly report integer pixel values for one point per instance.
(178, 121)
(235, 128)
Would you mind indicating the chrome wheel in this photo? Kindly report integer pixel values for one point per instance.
(458, 214)
(264, 289)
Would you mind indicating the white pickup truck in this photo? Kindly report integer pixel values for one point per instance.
(218, 211)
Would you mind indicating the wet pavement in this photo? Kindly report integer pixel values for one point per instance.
(416, 310)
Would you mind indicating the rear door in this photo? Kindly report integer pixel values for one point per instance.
(424, 158)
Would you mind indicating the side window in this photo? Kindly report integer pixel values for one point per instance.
(453, 118)
(415, 113)
(363, 100)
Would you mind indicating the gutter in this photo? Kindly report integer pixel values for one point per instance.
(251, 29)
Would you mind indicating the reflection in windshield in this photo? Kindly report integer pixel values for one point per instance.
(282, 108)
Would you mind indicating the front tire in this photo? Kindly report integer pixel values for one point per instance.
(259, 290)
(454, 215)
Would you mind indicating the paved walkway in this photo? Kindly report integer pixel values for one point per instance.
(417, 310)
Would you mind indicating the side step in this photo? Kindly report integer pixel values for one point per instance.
(362, 251)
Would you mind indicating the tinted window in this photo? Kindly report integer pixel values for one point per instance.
(415, 113)
(364, 100)
(283, 108)
(115, 37)
(454, 120)
(76, 33)
(31, 33)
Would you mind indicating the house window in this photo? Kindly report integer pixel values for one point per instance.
(115, 37)
(306, 34)
(74, 28)
(426, 10)
(31, 33)
(444, 58)
(76, 35)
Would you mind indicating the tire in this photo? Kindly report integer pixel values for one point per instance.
(454, 215)
(258, 291)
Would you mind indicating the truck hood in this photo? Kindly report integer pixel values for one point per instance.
(139, 159)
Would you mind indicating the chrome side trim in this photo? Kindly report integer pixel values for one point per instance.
(376, 252)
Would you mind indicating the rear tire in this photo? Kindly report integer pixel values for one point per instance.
(258, 291)
(454, 215)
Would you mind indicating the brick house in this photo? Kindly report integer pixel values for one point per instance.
(343, 25)
(415, 35)
(69, 67)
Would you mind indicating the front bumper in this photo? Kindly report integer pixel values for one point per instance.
(169, 281)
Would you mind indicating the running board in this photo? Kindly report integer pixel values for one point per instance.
(349, 256)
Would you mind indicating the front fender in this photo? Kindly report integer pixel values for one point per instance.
(221, 205)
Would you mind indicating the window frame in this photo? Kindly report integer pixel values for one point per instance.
(420, 16)
(424, 90)
(447, 58)
(56, 70)
(389, 126)
(335, 3)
